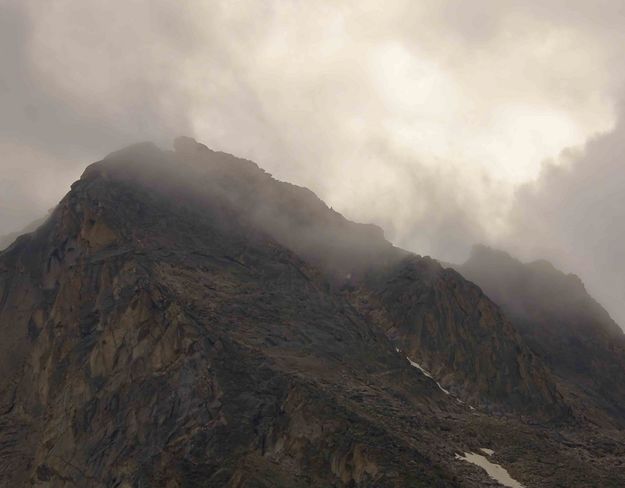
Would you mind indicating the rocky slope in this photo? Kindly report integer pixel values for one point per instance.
(183, 319)
(152, 338)
(451, 328)
(561, 322)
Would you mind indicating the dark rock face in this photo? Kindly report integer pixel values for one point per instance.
(449, 326)
(561, 322)
(184, 320)
(152, 339)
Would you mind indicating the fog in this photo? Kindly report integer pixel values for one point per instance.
(574, 216)
(445, 122)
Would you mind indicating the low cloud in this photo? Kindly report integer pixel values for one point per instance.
(431, 118)
(574, 215)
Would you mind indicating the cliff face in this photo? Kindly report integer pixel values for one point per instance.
(183, 319)
(451, 328)
(561, 322)
(153, 337)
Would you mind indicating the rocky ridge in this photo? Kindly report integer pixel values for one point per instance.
(183, 319)
(567, 328)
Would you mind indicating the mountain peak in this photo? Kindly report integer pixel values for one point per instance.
(197, 177)
(205, 321)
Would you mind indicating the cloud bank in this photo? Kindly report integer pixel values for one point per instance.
(574, 216)
(445, 122)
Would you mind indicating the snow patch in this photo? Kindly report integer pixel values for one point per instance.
(493, 470)
(488, 452)
(426, 373)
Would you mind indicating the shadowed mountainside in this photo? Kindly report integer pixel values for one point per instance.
(183, 319)
(557, 317)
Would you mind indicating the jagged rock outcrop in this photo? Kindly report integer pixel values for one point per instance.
(557, 317)
(450, 327)
(183, 320)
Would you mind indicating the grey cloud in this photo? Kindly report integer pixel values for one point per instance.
(401, 113)
(574, 215)
(46, 137)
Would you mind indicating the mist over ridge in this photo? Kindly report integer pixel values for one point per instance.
(409, 117)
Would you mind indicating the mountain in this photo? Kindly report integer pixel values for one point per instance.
(557, 317)
(183, 319)
(457, 333)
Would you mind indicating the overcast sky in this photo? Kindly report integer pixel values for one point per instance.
(445, 122)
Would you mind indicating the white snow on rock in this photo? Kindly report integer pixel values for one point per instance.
(496, 472)
(426, 373)
(488, 452)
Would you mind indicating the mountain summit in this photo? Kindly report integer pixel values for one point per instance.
(183, 319)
